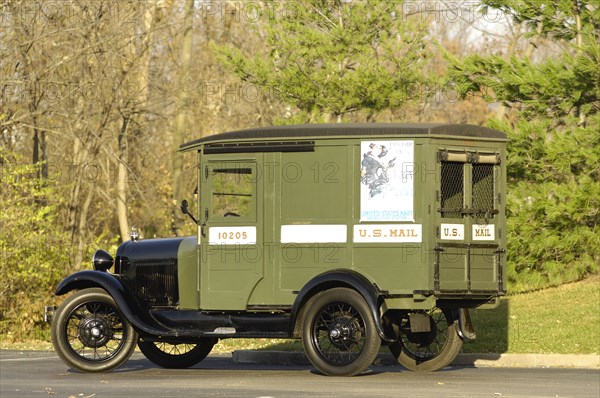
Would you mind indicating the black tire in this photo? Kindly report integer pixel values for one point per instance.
(428, 351)
(339, 334)
(90, 334)
(176, 355)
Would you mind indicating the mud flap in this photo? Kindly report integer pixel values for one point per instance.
(419, 323)
(465, 326)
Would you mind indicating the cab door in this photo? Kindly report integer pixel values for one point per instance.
(230, 233)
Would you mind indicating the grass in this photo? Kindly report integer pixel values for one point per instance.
(563, 320)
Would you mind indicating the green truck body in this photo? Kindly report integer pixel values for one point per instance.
(431, 227)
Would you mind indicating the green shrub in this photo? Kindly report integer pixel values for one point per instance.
(553, 203)
(33, 247)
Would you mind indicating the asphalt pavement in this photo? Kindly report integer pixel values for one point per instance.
(43, 374)
(589, 361)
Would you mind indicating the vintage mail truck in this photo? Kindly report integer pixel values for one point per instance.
(347, 236)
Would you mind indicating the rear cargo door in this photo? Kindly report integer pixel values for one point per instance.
(468, 246)
(229, 234)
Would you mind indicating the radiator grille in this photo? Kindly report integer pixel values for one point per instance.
(156, 282)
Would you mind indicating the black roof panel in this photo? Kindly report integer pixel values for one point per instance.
(345, 129)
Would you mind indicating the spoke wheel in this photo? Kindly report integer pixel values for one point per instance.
(176, 355)
(427, 351)
(90, 334)
(339, 334)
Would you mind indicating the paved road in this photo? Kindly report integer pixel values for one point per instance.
(42, 374)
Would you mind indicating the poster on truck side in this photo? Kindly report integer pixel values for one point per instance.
(386, 180)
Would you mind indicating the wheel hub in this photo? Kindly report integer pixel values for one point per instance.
(94, 332)
(342, 333)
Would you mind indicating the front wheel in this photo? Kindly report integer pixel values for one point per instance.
(90, 334)
(339, 334)
(176, 355)
(430, 343)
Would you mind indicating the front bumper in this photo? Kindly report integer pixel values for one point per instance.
(49, 311)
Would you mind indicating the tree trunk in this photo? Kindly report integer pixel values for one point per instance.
(44, 158)
(122, 182)
(578, 26)
(39, 145)
(83, 217)
(182, 115)
(79, 158)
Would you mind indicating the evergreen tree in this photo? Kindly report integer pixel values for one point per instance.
(554, 153)
(329, 58)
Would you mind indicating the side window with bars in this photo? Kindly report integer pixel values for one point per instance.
(459, 195)
(452, 189)
(483, 192)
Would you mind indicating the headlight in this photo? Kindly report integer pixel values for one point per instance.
(102, 261)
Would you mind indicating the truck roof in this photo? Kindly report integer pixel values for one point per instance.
(291, 132)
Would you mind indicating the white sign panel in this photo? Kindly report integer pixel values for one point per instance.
(387, 233)
(386, 180)
(452, 231)
(232, 236)
(483, 232)
(314, 234)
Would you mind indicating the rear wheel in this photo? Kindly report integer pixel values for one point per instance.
(90, 334)
(430, 344)
(176, 355)
(339, 334)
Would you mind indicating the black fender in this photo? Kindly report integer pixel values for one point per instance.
(341, 278)
(113, 286)
(85, 279)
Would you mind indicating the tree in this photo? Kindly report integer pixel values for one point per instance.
(181, 122)
(554, 153)
(136, 62)
(332, 58)
(94, 86)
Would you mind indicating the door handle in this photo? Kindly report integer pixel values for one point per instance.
(203, 226)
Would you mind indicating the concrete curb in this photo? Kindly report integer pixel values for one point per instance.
(294, 358)
(588, 361)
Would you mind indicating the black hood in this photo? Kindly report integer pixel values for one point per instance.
(148, 269)
(147, 250)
